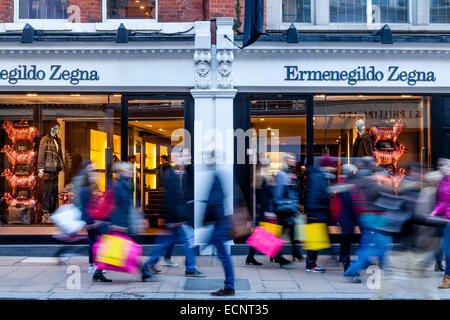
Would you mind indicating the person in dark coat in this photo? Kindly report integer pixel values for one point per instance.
(179, 221)
(317, 202)
(346, 216)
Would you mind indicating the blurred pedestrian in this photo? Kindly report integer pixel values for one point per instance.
(373, 244)
(317, 201)
(216, 216)
(346, 216)
(179, 220)
(286, 203)
(442, 209)
(264, 200)
(84, 187)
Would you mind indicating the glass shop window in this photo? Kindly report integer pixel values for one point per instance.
(43, 9)
(131, 9)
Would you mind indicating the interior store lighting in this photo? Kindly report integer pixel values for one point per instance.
(142, 7)
(31, 94)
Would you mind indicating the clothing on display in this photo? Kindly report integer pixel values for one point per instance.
(363, 145)
(50, 164)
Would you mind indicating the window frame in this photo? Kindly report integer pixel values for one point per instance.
(134, 24)
(53, 24)
(436, 24)
(313, 14)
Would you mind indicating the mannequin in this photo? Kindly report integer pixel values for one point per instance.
(50, 164)
(363, 143)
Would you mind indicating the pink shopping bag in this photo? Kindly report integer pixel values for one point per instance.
(117, 252)
(265, 242)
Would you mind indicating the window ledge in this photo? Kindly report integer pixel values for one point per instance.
(40, 24)
(361, 27)
(131, 24)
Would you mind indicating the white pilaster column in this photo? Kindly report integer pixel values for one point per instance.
(213, 128)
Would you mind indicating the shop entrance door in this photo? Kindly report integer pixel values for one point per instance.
(152, 121)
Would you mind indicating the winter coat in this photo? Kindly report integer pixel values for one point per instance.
(285, 199)
(123, 198)
(442, 208)
(50, 158)
(363, 146)
(346, 215)
(174, 203)
(188, 194)
(317, 198)
(215, 210)
(264, 200)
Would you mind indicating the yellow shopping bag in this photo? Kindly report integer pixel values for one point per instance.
(113, 250)
(315, 236)
(274, 229)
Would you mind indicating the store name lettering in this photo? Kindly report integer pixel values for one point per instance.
(361, 73)
(377, 114)
(55, 73)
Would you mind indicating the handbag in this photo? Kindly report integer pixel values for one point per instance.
(265, 242)
(240, 223)
(117, 252)
(316, 236)
(396, 212)
(102, 209)
(68, 218)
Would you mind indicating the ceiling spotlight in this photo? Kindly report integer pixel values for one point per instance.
(75, 95)
(262, 119)
(142, 7)
(31, 94)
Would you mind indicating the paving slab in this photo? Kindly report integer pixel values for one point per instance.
(79, 295)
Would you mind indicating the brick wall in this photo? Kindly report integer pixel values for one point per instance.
(6, 10)
(90, 10)
(180, 10)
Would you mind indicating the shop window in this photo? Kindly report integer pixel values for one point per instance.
(131, 9)
(390, 11)
(439, 11)
(348, 11)
(43, 9)
(297, 11)
(44, 140)
(394, 130)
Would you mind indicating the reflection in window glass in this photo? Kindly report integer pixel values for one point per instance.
(348, 11)
(43, 9)
(297, 11)
(394, 130)
(439, 11)
(390, 11)
(131, 9)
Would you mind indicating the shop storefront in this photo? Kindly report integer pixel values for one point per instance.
(59, 108)
(343, 100)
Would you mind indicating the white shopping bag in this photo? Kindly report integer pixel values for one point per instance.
(68, 218)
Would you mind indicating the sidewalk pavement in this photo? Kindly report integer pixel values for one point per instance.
(45, 279)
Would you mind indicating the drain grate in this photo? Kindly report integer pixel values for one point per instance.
(214, 284)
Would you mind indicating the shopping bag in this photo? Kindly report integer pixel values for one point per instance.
(265, 242)
(117, 252)
(103, 207)
(316, 236)
(274, 229)
(240, 221)
(68, 219)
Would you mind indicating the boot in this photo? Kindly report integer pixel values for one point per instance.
(98, 276)
(445, 283)
(296, 254)
(439, 266)
(252, 260)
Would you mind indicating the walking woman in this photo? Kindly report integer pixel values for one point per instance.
(84, 186)
(264, 200)
(286, 204)
(123, 198)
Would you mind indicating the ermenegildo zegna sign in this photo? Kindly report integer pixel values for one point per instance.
(55, 72)
(361, 74)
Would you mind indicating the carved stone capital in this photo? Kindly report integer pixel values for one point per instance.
(225, 60)
(202, 60)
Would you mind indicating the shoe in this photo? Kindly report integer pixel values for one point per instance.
(169, 262)
(297, 256)
(147, 276)
(196, 273)
(155, 271)
(271, 260)
(253, 261)
(98, 276)
(355, 279)
(92, 268)
(223, 292)
(445, 283)
(315, 269)
(439, 266)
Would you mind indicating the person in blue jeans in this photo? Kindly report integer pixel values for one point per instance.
(215, 214)
(179, 221)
